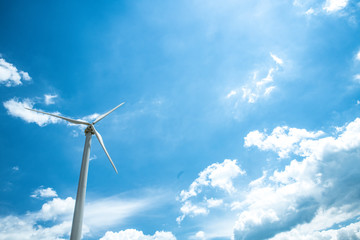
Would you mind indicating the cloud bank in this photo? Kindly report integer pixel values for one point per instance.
(313, 196)
(53, 220)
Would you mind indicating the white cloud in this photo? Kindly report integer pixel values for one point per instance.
(249, 95)
(10, 76)
(189, 209)
(269, 90)
(214, 202)
(25, 75)
(15, 168)
(26, 228)
(110, 211)
(282, 140)
(16, 108)
(267, 79)
(309, 196)
(56, 208)
(357, 57)
(258, 88)
(310, 11)
(334, 5)
(44, 193)
(325, 219)
(49, 99)
(263, 87)
(200, 235)
(53, 220)
(313, 196)
(231, 93)
(357, 78)
(277, 59)
(215, 176)
(259, 181)
(133, 234)
(91, 117)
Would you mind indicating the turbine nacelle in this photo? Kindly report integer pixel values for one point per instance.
(91, 128)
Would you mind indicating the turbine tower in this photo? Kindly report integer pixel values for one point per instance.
(81, 192)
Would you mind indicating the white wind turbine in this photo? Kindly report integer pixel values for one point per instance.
(80, 196)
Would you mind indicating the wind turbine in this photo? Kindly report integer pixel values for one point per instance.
(81, 192)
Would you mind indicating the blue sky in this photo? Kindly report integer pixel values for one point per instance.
(241, 118)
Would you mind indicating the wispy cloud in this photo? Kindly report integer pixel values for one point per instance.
(15, 168)
(10, 76)
(231, 93)
(310, 11)
(53, 220)
(258, 88)
(50, 99)
(277, 59)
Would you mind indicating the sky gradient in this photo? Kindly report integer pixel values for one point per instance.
(241, 118)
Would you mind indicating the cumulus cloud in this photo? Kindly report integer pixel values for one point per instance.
(16, 108)
(189, 209)
(49, 99)
(133, 234)
(57, 212)
(26, 228)
(10, 76)
(311, 196)
(320, 227)
(334, 5)
(215, 176)
(44, 193)
(282, 140)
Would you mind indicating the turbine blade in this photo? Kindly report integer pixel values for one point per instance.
(103, 146)
(105, 114)
(64, 118)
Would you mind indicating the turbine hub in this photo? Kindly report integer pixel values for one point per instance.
(89, 129)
